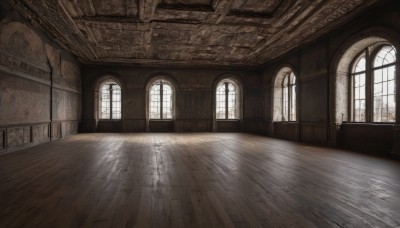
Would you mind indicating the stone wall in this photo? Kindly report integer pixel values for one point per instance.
(40, 86)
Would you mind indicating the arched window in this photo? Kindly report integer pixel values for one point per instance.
(110, 100)
(284, 95)
(227, 100)
(289, 97)
(358, 81)
(384, 88)
(374, 66)
(161, 100)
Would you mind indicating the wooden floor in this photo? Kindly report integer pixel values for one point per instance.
(195, 180)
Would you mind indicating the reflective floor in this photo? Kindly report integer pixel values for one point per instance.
(195, 180)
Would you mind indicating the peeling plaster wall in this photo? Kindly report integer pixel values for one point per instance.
(40, 87)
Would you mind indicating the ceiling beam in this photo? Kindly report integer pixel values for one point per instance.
(131, 8)
(77, 30)
(222, 8)
(147, 8)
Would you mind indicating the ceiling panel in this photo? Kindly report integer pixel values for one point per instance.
(188, 32)
(256, 6)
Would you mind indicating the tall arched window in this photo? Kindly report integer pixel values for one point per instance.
(358, 80)
(284, 95)
(374, 66)
(384, 85)
(110, 100)
(289, 97)
(227, 100)
(161, 100)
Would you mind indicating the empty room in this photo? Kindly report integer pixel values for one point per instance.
(199, 113)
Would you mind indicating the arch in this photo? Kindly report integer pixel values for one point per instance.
(237, 83)
(384, 84)
(277, 92)
(164, 81)
(109, 76)
(342, 61)
(97, 92)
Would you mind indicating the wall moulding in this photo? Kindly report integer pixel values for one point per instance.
(2, 139)
(56, 130)
(396, 138)
(17, 66)
(317, 75)
(314, 132)
(16, 137)
(66, 88)
(286, 130)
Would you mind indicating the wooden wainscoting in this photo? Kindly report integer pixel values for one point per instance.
(193, 125)
(367, 137)
(109, 126)
(314, 132)
(286, 130)
(161, 125)
(16, 137)
(228, 125)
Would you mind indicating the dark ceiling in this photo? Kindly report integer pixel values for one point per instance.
(188, 32)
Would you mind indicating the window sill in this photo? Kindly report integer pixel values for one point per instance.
(286, 122)
(369, 123)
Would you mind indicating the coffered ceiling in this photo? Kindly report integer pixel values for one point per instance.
(188, 32)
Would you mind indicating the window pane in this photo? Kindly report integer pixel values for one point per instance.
(378, 76)
(391, 87)
(293, 104)
(359, 97)
(391, 71)
(356, 93)
(110, 101)
(385, 55)
(292, 78)
(105, 102)
(360, 65)
(227, 100)
(116, 101)
(384, 74)
(231, 101)
(357, 80)
(155, 101)
(285, 99)
(384, 95)
(285, 81)
(220, 102)
(289, 97)
(167, 101)
(391, 108)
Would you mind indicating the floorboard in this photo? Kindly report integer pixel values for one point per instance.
(195, 180)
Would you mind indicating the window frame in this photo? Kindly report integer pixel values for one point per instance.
(160, 108)
(370, 54)
(290, 97)
(238, 100)
(364, 53)
(110, 83)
